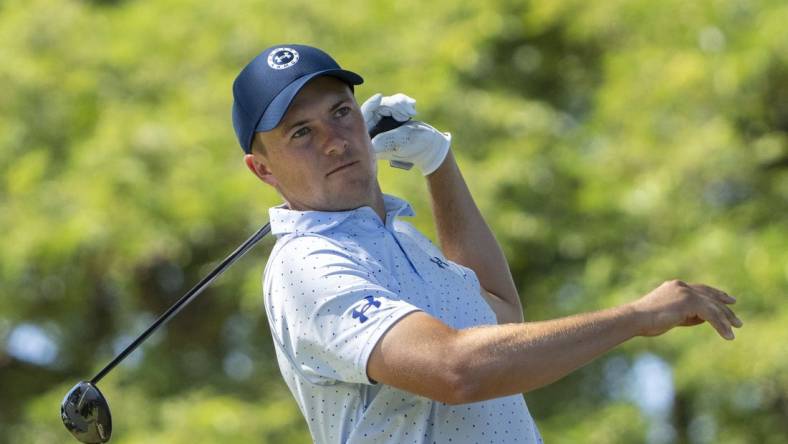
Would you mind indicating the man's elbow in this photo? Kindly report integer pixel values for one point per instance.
(459, 385)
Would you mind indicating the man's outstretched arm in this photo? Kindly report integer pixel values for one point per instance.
(466, 238)
(422, 355)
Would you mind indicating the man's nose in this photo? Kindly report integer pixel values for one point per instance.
(335, 142)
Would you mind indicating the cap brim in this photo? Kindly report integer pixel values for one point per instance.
(278, 107)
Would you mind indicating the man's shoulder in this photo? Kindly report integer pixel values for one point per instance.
(293, 250)
(298, 246)
(310, 241)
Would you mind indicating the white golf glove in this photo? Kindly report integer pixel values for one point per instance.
(414, 143)
(399, 106)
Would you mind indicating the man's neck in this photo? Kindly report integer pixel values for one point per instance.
(379, 206)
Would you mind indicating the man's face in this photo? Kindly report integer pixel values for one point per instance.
(319, 157)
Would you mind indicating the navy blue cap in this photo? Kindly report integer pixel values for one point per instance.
(264, 89)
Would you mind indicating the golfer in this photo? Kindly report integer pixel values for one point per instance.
(381, 336)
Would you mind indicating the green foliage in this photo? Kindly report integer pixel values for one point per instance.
(612, 145)
(613, 423)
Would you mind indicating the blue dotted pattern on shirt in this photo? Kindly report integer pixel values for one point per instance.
(324, 266)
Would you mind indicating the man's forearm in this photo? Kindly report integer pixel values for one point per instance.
(502, 360)
(464, 235)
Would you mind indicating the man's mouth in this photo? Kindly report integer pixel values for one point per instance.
(341, 167)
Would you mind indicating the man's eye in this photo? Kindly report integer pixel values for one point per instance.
(342, 112)
(301, 132)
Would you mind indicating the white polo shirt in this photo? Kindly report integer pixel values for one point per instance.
(334, 284)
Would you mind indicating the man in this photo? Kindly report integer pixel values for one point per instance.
(381, 336)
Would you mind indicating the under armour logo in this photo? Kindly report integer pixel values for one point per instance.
(359, 313)
(437, 261)
(281, 58)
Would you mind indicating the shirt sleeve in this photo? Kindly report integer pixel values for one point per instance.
(327, 308)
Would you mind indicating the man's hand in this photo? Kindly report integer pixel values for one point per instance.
(675, 303)
(415, 143)
(399, 106)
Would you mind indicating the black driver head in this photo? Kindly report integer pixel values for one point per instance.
(85, 413)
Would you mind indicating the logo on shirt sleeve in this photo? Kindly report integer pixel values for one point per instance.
(360, 313)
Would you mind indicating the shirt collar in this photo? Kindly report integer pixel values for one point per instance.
(284, 220)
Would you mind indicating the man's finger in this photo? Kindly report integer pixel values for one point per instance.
(368, 110)
(400, 115)
(721, 299)
(718, 320)
(714, 293)
(734, 320)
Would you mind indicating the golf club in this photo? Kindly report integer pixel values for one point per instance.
(84, 410)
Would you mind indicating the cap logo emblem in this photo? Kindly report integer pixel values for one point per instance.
(281, 58)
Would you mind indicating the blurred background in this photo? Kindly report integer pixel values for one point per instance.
(612, 145)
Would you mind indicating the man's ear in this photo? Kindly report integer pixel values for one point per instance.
(256, 165)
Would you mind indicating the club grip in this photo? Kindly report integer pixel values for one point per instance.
(386, 123)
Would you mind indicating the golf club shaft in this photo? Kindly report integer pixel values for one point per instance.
(385, 124)
(185, 299)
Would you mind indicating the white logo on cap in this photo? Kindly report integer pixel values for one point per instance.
(281, 58)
